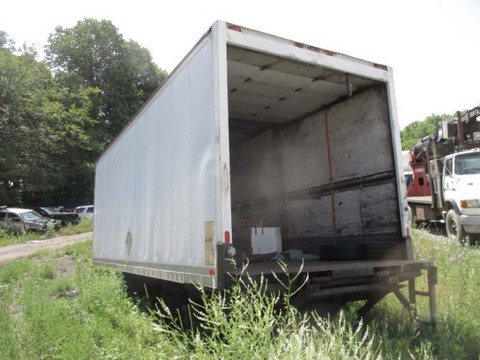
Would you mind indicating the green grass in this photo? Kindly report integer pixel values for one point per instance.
(10, 238)
(57, 305)
(85, 315)
(457, 335)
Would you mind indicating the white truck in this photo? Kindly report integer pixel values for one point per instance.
(257, 148)
(446, 177)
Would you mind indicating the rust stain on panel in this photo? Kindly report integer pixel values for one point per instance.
(315, 49)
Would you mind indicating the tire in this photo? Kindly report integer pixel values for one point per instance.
(454, 227)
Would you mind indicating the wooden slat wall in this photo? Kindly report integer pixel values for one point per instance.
(269, 171)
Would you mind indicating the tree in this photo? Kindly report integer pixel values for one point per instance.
(4, 40)
(56, 117)
(419, 129)
(93, 53)
(22, 80)
(46, 135)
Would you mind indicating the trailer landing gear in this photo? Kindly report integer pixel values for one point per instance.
(382, 281)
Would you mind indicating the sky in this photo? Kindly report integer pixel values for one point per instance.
(433, 46)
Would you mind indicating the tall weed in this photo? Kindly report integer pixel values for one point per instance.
(248, 322)
(87, 314)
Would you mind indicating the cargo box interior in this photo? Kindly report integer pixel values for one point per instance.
(311, 153)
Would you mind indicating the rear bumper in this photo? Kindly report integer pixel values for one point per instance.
(471, 223)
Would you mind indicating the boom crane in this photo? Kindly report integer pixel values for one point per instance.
(446, 177)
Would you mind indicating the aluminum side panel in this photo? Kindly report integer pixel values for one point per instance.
(201, 151)
(155, 187)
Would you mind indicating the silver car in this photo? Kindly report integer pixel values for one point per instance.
(22, 220)
(85, 211)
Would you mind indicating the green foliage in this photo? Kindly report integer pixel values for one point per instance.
(416, 130)
(14, 271)
(3, 39)
(81, 251)
(85, 225)
(43, 143)
(458, 266)
(56, 117)
(457, 335)
(94, 54)
(46, 271)
(87, 314)
(22, 82)
(63, 287)
(248, 322)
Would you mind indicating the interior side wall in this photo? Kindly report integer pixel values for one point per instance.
(284, 177)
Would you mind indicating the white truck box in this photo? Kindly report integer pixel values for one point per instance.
(253, 126)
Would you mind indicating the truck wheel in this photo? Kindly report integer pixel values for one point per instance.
(454, 227)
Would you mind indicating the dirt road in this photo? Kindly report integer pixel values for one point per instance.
(8, 253)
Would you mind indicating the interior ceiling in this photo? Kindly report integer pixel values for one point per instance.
(266, 91)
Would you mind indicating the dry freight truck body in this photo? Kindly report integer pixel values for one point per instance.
(254, 149)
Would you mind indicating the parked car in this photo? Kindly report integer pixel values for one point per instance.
(23, 220)
(85, 211)
(54, 213)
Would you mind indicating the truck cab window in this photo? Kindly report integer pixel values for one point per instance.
(448, 167)
(467, 164)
